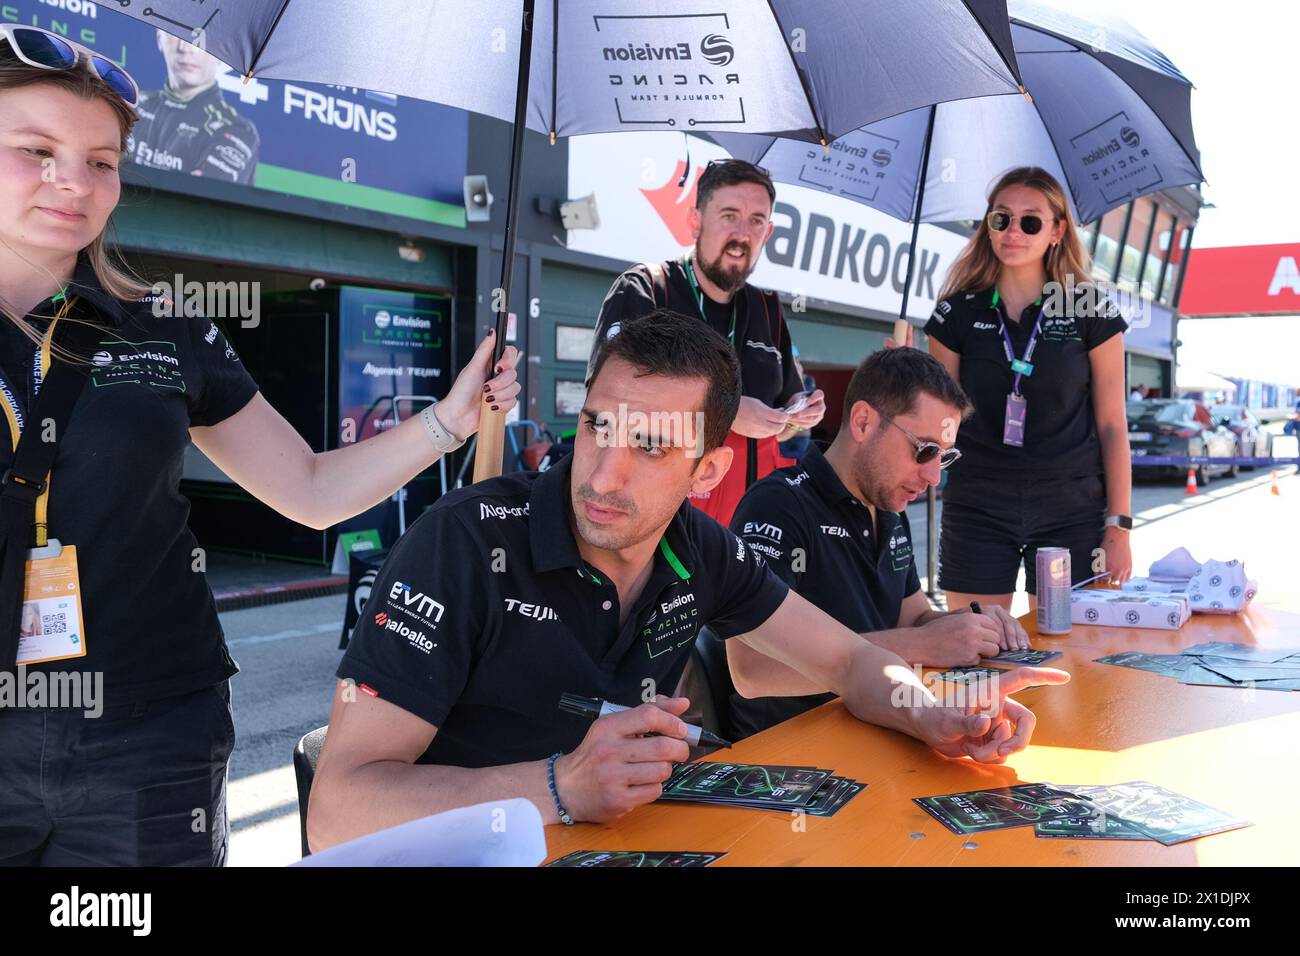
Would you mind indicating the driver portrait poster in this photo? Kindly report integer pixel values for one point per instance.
(198, 119)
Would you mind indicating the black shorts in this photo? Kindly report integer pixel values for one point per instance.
(139, 785)
(990, 525)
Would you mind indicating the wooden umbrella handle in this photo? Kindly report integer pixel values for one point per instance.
(490, 449)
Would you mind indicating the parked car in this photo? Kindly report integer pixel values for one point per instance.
(1176, 427)
(1252, 440)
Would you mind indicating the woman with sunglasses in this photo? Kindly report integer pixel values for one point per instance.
(133, 772)
(1045, 456)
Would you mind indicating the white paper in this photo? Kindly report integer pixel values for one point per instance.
(497, 833)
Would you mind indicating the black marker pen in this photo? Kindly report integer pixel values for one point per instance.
(594, 707)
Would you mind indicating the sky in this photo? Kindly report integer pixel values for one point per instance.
(1243, 61)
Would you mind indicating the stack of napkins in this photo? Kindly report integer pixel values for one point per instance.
(1215, 587)
(1168, 612)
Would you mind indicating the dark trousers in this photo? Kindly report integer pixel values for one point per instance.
(140, 785)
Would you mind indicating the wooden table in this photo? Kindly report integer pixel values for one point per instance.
(1234, 749)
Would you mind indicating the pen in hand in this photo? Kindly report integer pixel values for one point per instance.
(594, 707)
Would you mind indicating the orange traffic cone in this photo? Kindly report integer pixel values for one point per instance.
(1274, 490)
(1191, 482)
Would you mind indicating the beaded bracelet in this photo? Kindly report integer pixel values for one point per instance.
(555, 794)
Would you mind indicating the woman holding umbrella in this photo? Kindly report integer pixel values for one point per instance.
(111, 393)
(1045, 457)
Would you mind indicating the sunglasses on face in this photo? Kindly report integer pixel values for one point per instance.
(1029, 225)
(927, 451)
(49, 51)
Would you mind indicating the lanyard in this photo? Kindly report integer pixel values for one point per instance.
(699, 296)
(1023, 363)
(14, 413)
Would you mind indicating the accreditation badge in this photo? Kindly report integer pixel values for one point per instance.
(52, 626)
(1013, 426)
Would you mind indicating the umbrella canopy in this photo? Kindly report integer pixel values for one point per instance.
(1110, 118)
(812, 69)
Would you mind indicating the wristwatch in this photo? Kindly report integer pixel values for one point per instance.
(1119, 521)
(440, 435)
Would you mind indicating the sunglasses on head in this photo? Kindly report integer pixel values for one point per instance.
(927, 451)
(1029, 225)
(49, 51)
(730, 163)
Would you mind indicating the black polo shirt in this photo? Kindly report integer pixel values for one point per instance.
(762, 340)
(150, 620)
(485, 613)
(1060, 427)
(818, 538)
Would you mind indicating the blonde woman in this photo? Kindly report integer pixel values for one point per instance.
(1037, 347)
(144, 781)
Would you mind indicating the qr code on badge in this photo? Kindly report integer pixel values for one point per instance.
(54, 623)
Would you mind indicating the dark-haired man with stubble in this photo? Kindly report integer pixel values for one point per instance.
(592, 578)
(835, 529)
(730, 222)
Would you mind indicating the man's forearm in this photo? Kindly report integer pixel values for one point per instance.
(829, 655)
(347, 804)
(925, 617)
(902, 641)
(754, 674)
(879, 687)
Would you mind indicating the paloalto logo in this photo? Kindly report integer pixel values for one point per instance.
(414, 637)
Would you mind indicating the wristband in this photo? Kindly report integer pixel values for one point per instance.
(442, 438)
(1118, 521)
(555, 794)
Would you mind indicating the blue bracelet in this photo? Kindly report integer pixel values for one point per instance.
(555, 794)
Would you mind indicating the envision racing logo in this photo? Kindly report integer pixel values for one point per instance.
(717, 49)
(669, 606)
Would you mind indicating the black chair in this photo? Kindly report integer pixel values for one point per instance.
(710, 660)
(305, 757)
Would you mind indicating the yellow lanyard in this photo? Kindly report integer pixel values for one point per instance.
(41, 362)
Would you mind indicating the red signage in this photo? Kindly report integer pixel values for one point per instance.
(1242, 280)
(673, 205)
